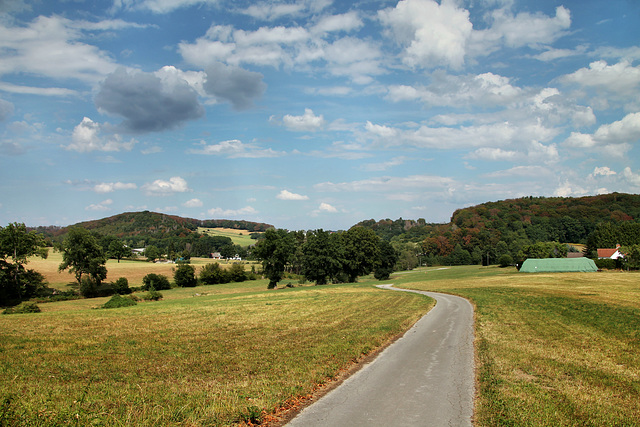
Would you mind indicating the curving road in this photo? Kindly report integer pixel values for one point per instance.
(426, 378)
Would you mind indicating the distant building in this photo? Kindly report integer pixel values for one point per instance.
(610, 253)
(216, 255)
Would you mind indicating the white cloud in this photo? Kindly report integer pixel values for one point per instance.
(193, 203)
(602, 171)
(567, 189)
(431, 34)
(333, 23)
(308, 122)
(621, 78)
(109, 187)
(247, 210)
(51, 47)
(495, 154)
(234, 149)
(161, 187)
(632, 178)
(378, 167)
(521, 172)
(620, 133)
(526, 29)
(326, 207)
(86, 138)
(287, 195)
(102, 206)
(388, 184)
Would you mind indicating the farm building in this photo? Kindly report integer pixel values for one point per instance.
(553, 265)
(610, 253)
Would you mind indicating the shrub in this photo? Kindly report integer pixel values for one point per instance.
(23, 307)
(118, 301)
(505, 260)
(152, 295)
(212, 274)
(121, 286)
(608, 264)
(185, 276)
(158, 282)
(237, 273)
(88, 287)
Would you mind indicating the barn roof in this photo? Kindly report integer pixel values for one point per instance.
(550, 265)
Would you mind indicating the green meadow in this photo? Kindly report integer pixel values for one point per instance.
(238, 237)
(551, 350)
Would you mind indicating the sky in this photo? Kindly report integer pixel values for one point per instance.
(312, 114)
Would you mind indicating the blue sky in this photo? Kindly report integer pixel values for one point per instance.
(312, 113)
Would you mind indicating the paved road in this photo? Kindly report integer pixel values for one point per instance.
(426, 378)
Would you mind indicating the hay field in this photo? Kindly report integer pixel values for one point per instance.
(238, 237)
(559, 349)
(134, 271)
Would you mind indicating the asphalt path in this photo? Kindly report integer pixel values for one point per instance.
(425, 378)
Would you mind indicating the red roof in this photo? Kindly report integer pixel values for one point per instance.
(606, 253)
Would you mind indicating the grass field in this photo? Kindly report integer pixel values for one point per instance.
(553, 349)
(206, 356)
(238, 237)
(134, 271)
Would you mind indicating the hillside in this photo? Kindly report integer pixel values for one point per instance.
(152, 225)
(492, 229)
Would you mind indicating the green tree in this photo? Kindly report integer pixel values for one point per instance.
(185, 276)
(388, 259)
(159, 282)
(82, 254)
(152, 253)
(275, 251)
(320, 257)
(237, 273)
(212, 274)
(16, 246)
(118, 250)
(361, 252)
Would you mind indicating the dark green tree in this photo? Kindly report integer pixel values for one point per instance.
(212, 274)
(159, 282)
(82, 254)
(152, 253)
(118, 250)
(16, 246)
(275, 251)
(237, 273)
(388, 259)
(185, 276)
(320, 257)
(361, 252)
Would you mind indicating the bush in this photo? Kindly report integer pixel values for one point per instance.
(118, 301)
(121, 286)
(152, 295)
(88, 287)
(607, 264)
(505, 260)
(237, 273)
(212, 274)
(185, 276)
(158, 282)
(23, 307)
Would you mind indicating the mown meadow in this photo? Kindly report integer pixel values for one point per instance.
(206, 356)
(559, 349)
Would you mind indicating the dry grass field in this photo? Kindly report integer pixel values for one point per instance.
(559, 349)
(134, 271)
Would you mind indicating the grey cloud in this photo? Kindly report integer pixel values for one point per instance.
(234, 84)
(146, 102)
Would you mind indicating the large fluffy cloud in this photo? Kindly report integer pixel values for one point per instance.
(308, 122)
(146, 102)
(87, 136)
(617, 135)
(160, 187)
(431, 34)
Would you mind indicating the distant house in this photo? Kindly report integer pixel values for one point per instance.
(139, 251)
(216, 255)
(610, 253)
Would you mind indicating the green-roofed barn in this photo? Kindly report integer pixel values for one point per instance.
(556, 265)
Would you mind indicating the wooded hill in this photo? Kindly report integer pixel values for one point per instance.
(478, 230)
(151, 225)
